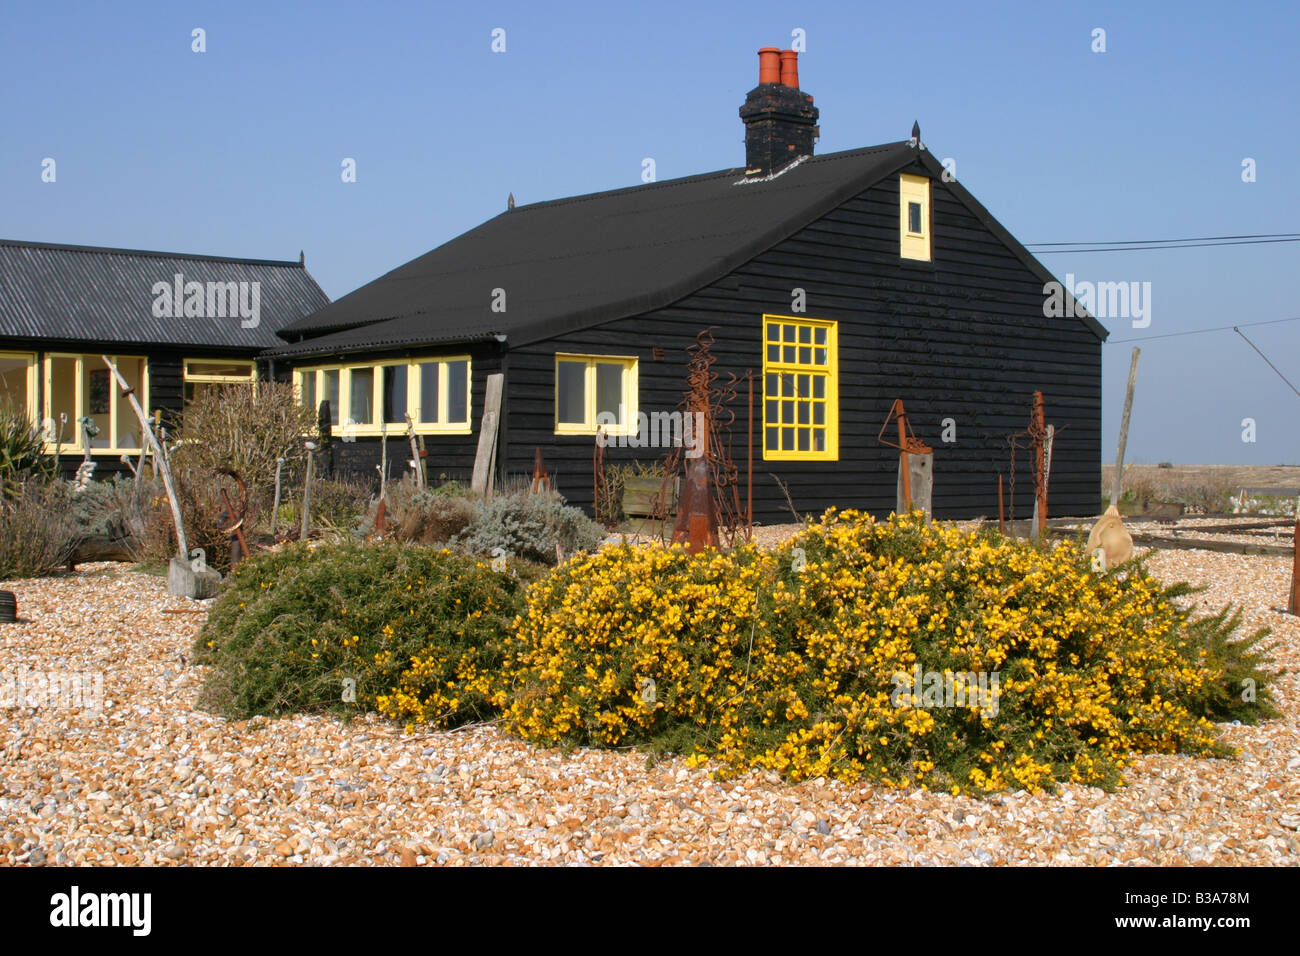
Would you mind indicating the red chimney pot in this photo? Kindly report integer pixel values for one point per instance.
(769, 66)
(790, 68)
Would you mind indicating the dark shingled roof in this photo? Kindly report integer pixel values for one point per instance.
(572, 263)
(95, 294)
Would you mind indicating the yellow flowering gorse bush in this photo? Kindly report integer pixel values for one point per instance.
(802, 660)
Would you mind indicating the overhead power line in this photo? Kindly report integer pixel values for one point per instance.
(1150, 245)
(1144, 242)
(1217, 328)
(1265, 358)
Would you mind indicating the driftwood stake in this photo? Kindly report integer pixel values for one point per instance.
(182, 544)
(1117, 483)
(306, 491)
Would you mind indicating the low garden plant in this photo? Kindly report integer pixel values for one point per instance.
(344, 628)
(900, 652)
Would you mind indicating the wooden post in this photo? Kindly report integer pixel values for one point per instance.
(1295, 566)
(1002, 515)
(485, 460)
(306, 492)
(416, 461)
(275, 508)
(1117, 483)
(181, 544)
(383, 463)
(749, 467)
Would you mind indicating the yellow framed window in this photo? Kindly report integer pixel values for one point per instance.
(595, 391)
(18, 382)
(914, 217)
(800, 389)
(82, 386)
(202, 375)
(376, 398)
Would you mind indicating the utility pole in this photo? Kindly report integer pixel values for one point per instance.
(1117, 484)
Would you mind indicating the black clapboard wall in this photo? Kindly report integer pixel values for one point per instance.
(961, 337)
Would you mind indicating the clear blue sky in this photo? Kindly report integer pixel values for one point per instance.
(237, 151)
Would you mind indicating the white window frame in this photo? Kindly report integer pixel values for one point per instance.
(631, 388)
(347, 429)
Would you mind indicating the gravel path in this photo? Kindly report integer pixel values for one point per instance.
(151, 781)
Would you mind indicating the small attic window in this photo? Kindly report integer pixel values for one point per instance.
(914, 217)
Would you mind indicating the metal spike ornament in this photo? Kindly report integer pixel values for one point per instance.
(709, 506)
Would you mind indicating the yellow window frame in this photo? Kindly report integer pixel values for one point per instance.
(789, 360)
(630, 392)
(913, 189)
(29, 359)
(414, 405)
(81, 397)
(202, 378)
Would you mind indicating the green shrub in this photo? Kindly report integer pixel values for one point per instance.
(37, 531)
(537, 527)
(22, 454)
(291, 626)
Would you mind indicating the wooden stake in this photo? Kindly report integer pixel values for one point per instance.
(1117, 484)
(182, 544)
(275, 508)
(1002, 515)
(1295, 566)
(306, 495)
(415, 452)
(485, 460)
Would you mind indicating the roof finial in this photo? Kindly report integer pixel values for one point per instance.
(915, 141)
(302, 258)
(510, 201)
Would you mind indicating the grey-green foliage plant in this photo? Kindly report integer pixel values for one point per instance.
(536, 527)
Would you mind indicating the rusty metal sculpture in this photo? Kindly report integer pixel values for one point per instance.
(907, 444)
(1037, 438)
(708, 509)
(232, 519)
(541, 480)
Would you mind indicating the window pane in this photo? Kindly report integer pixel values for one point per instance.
(820, 335)
(429, 392)
(222, 369)
(788, 333)
(63, 400)
(13, 383)
(914, 217)
(773, 409)
(99, 400)
(332, 394)
(457, 393)
(361, 401)
(308, 383)
(818, 387)
(570, 402)
(773, 332)
(394, 393)
(774, 353)
(819, 439)
(128, 425)
(788, 354)
(803, 439)
(609, 390)
(805, 334)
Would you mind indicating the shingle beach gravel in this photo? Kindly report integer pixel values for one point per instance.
(150, 780)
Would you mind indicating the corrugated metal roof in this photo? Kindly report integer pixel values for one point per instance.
(90, 293)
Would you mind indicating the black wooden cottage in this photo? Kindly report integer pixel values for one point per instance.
(172, 323)
(843, 281)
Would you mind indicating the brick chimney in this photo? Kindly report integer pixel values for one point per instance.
(780, 121)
